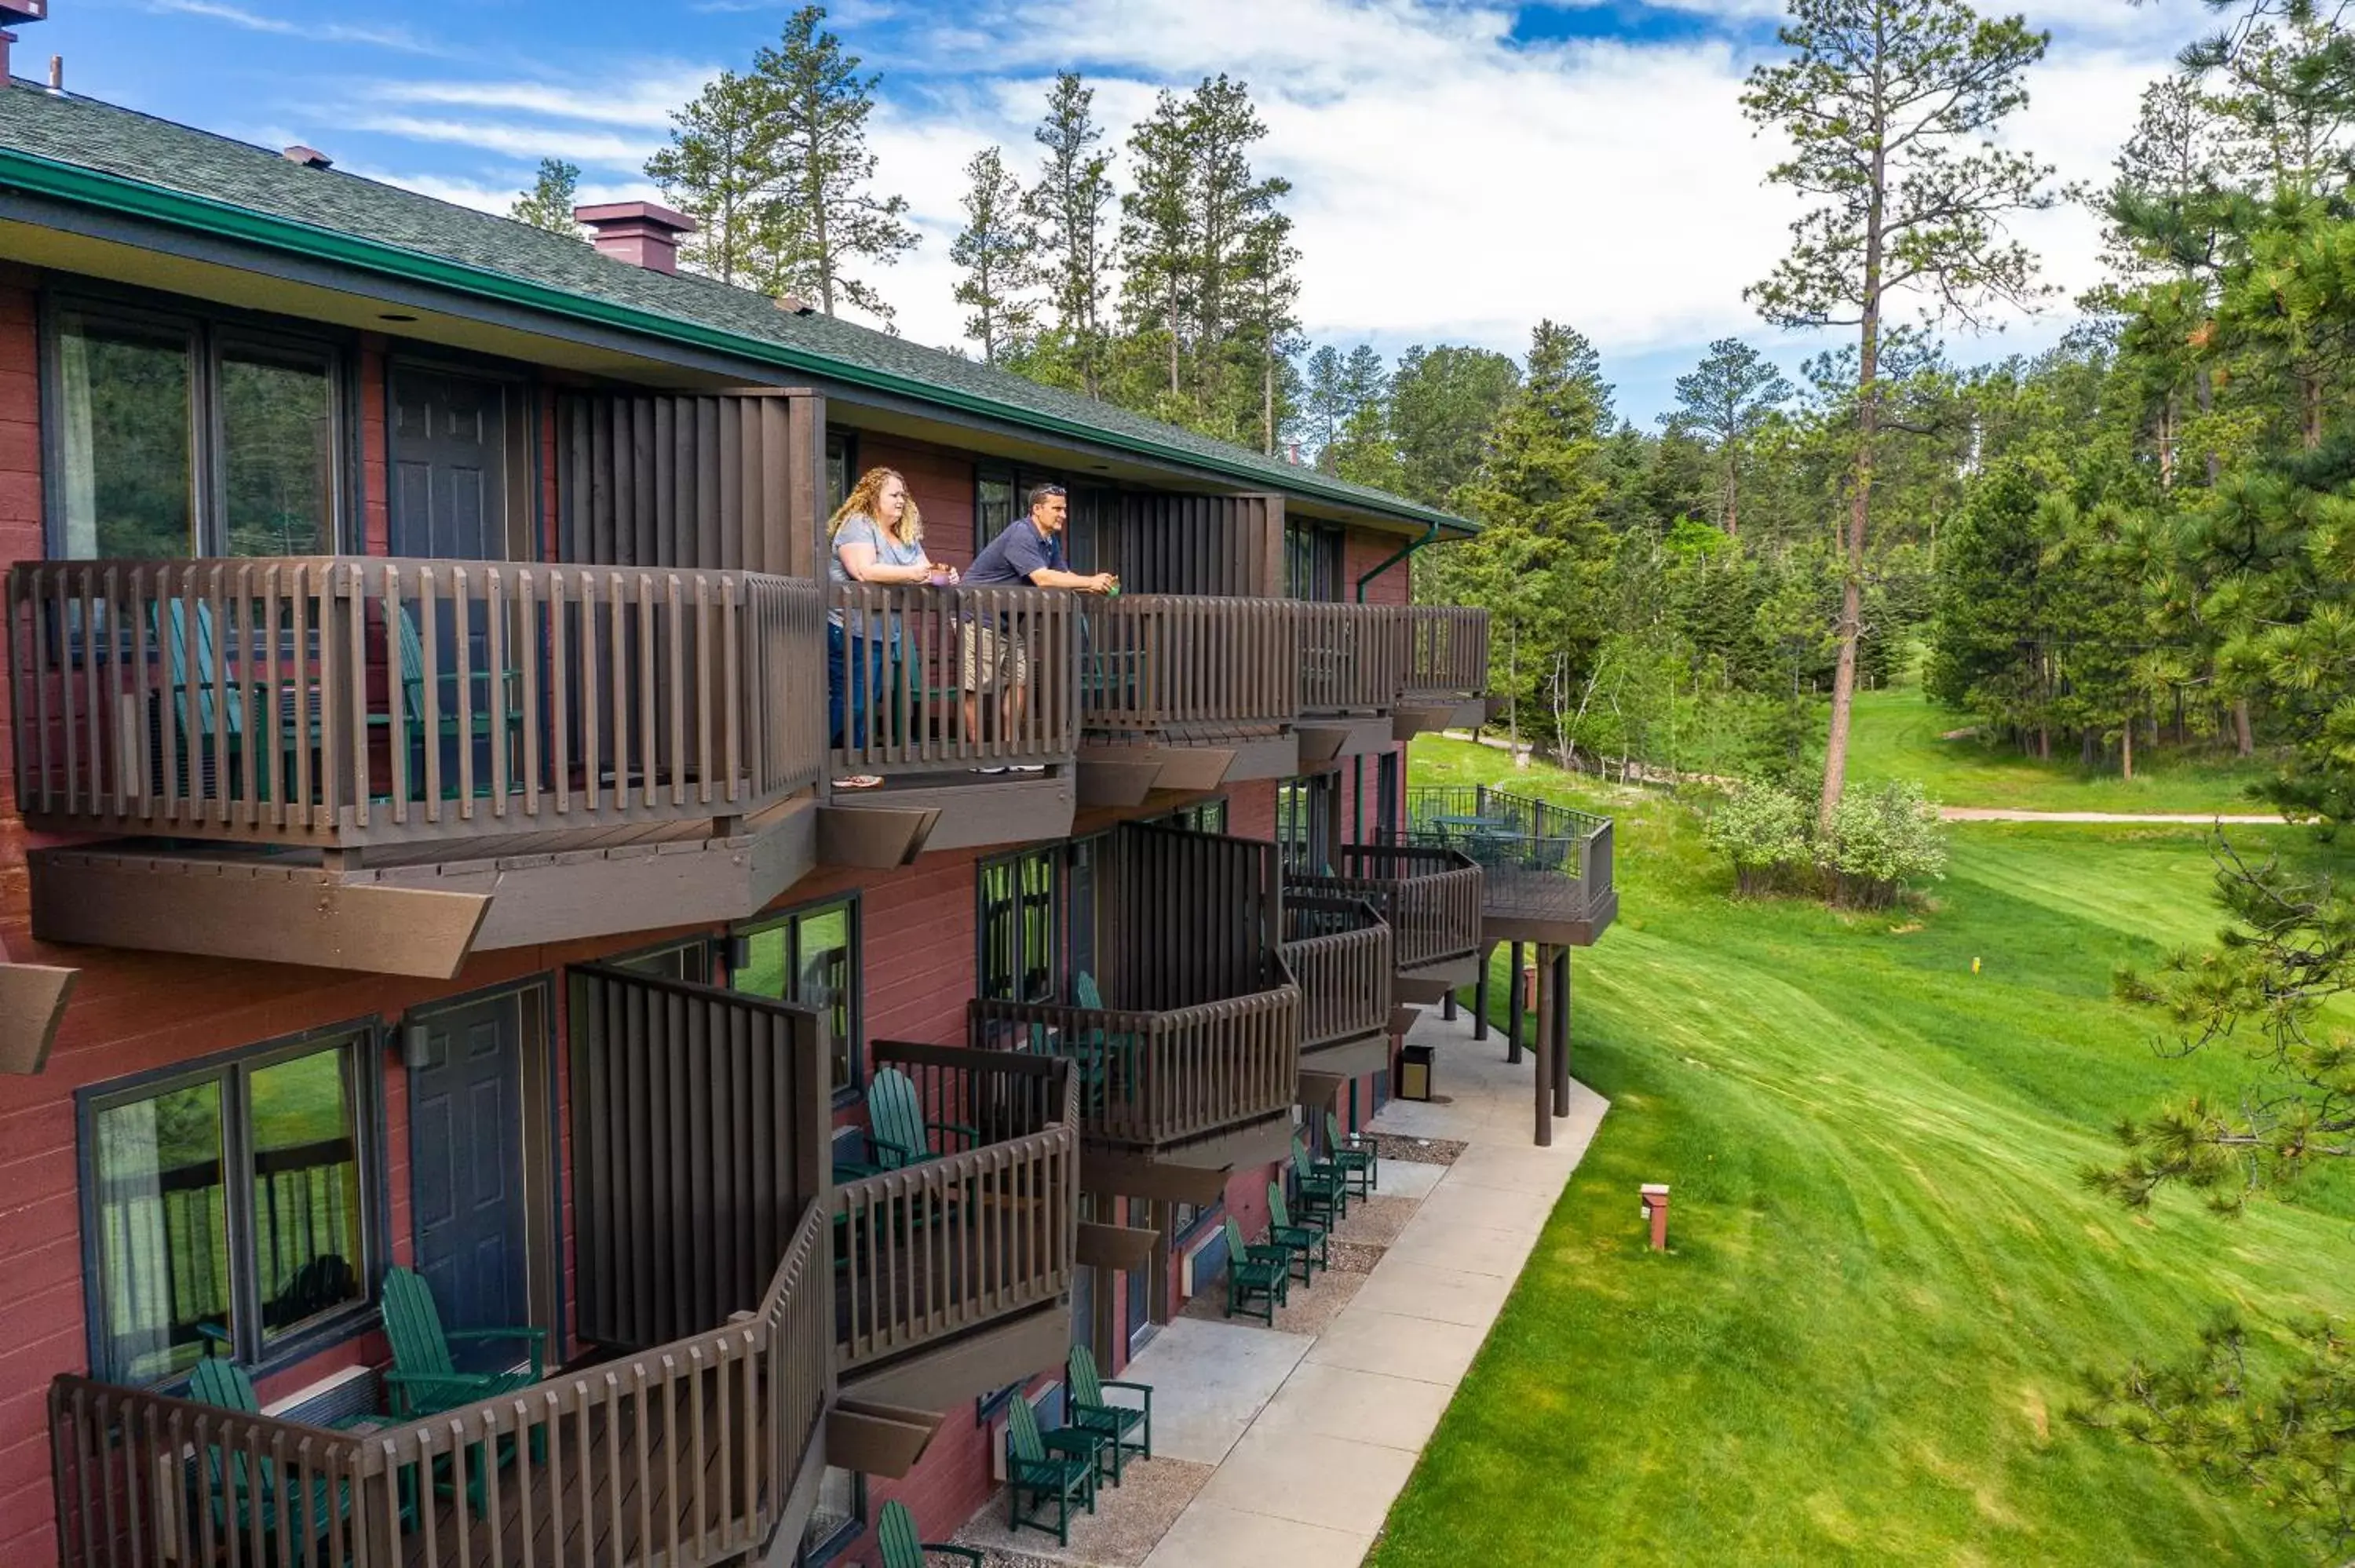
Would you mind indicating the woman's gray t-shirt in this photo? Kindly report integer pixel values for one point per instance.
(889, 551)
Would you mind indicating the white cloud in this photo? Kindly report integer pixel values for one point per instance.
(318, 32)
(1451, 181)
(643, 101)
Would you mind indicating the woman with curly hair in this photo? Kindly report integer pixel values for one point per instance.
(878, 538)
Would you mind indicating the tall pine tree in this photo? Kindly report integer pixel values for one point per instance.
(1069, 207)
(998, 252)
(720, 169)
(1723, 401)
(548, 204)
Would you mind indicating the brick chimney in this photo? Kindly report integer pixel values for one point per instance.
(14, 13)
(643, 233)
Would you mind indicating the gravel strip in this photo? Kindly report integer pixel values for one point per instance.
(1355, 1257)
(1418, 1150)
(1129, 1521)
(1376, 1221)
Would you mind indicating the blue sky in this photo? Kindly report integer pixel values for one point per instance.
(1461, 169)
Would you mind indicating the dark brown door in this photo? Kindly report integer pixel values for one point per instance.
(449, 466)
(465, 1164)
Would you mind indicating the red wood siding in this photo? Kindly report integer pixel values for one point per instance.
(940, 481)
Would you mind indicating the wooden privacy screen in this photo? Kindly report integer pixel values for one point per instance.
(1230, 544)
(1194, 917)
(729, 480)
(699, 1135)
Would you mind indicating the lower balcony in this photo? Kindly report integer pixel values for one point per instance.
(1430, 899)
(697, 1451)
(386, 765)
(953, 1270)
(1339, 952)
(1545, 869)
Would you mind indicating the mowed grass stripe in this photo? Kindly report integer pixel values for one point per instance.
(1885, 1275)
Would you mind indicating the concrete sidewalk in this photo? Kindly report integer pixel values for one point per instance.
(1313, 1466)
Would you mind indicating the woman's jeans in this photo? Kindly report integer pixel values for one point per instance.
(851, 692)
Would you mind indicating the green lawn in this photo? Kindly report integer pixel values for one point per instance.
(1899, 735)
(1861, 1347)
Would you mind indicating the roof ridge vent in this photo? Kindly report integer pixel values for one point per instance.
(309, 157)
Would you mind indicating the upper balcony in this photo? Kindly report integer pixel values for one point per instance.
(1428, 896)
(1546, 868)
(962, 697)
(1188, 692)
(953, 1269)
(444, 756)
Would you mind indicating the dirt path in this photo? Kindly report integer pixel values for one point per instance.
(2000, 814)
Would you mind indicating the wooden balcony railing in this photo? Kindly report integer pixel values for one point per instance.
(1339, 953)
(343, 701)
(1539, 861)
(1352, 657)
(941, 678)
(1171, 664)
(1429, 898)
(1446, 651)
(683, 1456)
(985, 1230)
(1151, 1079)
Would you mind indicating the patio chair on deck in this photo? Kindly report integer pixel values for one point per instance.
(897, 1136)
(895, 1538)
(1091, 1410)
(1352, 1154)
(1324, 1190)
(425, 1379)
(246, 1492)
(1306, 1244)
(1045, 1476)
(1265, 1272)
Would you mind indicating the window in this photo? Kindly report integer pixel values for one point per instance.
(1079, 912)
(835, 1520)
(689, 961)
(811, 957)
(1017, 920)
(1000, 495)
(839, 459)
(1390, 796)
(1307, 813)
(228, 1205)
(175, 437)
(1206, 817)
(1312, 560)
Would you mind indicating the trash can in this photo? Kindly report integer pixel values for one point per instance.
(1415, 1072)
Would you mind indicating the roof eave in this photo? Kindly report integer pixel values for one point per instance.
(206, 215)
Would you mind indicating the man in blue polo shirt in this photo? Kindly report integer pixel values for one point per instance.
(1026, 553)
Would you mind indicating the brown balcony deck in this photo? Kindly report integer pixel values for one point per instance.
(1429, 898)
(909, 719)
(950, 1274)
(1194, 673)
(1546, 869)
(1339, 952)
(690, 1453)
(434, 714)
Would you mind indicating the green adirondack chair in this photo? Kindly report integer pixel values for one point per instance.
(1091, 1409)
(895, 1537)
(425, 1379)
(1251, 1272)
(474, 728)
(244, 1491)
(1352, 1153)
(897, 1136)
(1324, 1190)
(1043, 1475)
(1304, 1244)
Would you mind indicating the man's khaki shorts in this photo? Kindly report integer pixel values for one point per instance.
(993, 660)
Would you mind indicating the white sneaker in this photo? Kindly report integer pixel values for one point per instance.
(1027, 768)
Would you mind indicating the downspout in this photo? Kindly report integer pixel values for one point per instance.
(1357, 764)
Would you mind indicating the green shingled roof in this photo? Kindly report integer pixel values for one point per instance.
(52, 144)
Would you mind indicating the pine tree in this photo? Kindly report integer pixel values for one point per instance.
(1266, 326)
(721, 170)
(998, 250)
(1069, 209)
(1723, 401)
(1442, 403)
(1159, 284)
(1887, 104)
(548, 204)
(828, 217)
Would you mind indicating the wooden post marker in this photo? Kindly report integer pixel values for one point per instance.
(1655, 1209)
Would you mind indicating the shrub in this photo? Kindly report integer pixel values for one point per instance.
(1880, 842)
(1763, 832)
